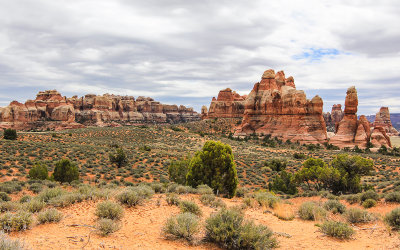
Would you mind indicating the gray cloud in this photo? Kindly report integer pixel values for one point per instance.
(186, 51)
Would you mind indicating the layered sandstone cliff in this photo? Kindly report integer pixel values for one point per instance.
(51, 110)
(228, 104)
(351, 131)
(334, 117)
(382, 119)
(277, 108)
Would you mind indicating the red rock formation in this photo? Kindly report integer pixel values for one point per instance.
(275, 107)
(51, 110)
(229, 104)
(352, 132)
(382, 119)
(379, 137)
(334, 117)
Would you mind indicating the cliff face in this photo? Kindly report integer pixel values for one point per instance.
(351, 131)
(228, 104)
(382, 119)
(51, 110)
(275, 107)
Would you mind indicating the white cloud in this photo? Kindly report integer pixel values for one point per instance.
(191, 49)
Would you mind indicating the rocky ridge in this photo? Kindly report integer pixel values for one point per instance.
(50, 110)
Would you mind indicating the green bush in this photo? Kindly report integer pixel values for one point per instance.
(130, 198)
(109, 210)
(352, 198)
(4, 197)
(393, 197)
(178, 170)
(119, 157)
(266, 199)
(393, 218)
(6, 243)
(19, 221)
(65, 171)
(36, 187)
(190, 207)
(276, 165)
(207, 199)
(284, 182)
(335, 206)
(173, 199)
(226, 228)
(214, 165)
(49, 216)
(10, 134)
(337, 229)
(184, 226)
(204, 189)
(368, 203)
(370, 194)
(311, 211)
(357, 215)
(38, 172)
(34, 206)
(106, 226)
(50, 193)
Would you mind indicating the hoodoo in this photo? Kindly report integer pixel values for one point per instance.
(228, 104)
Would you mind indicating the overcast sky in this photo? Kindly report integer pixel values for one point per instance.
(184, 52)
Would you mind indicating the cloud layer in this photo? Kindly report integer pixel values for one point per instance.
(185, 51)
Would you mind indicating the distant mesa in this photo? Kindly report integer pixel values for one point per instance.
(50, 110)
(275, 107)
(382, 119)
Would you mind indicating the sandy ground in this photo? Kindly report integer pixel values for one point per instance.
(141, 229)
(395, 141)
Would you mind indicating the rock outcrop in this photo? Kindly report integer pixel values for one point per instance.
(351, 131)
(228, 104)
(334, 117)
(50, 110)
(275, 107)
(382, 119)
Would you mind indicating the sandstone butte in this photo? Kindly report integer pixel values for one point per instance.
(334, 117)
(228, 104)
(351, 131)
(277, 108)
(50, 110)
(382, 119)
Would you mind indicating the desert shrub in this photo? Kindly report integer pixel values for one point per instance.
(6, 243)
(173, 199)
(241, 192)
(158, 187)
(218, 203)
(299, 156)
(284, 212)
(143, 191)
(368, 203)
(276, 164)
(352, 198)
(311, 211)
(255, 237)
(335, 206)
(119, 157)
(178, 170)
(129, 197)
(337, 229)
(10, 134)
(393, 197)
(9, 206)
(65, 171)
(393, 218)
(4, 197)
(10, 187)
(190, 207)
(266, 199)
(38, 172)
(226, 228)
(184, 226)
(109, 210)
(34, 206)
(25, 199)
(207, 199)
(50, 193)
(357, 215)
(15, 222)
(106, 226)
(370, 194)
(214, 165)
(36, 187)
(204, 189)
(284, 182)
(66, 199)
(49, 216)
